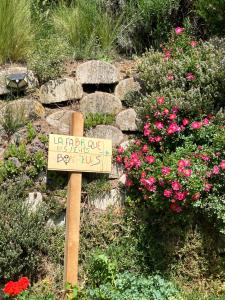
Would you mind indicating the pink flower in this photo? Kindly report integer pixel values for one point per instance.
(185, 121)
(180, 196)
(158, 139)
(190, 77)
(173, 127)
(175, 208)
(170, 77)
(180, 170)
(184, 163)
(167, 54)
(135, 161)
(166, 171)
(137, 142)
(119, 159)
(165, 112)
(161, 182)
(147, 131)
(146, 126)
(216, 170)
(157, 114)
(205, 121)
(150, 159)
(143, 174)
(175, 109)
(205, 157)
(151, 180)
(222, 165)
(196, 125)
(120, 150)
(129, 182)
(160, 100)
(149, 183)
(159, 125)
(176, 186)
(145, 148)
(187, 172)
(193, 44)
(208, 187)
(152, 140)
(172, 116)
(179, 30)
(167, 193)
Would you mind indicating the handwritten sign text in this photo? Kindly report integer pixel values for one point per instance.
(81, 154)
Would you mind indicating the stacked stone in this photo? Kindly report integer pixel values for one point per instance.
(52, 102)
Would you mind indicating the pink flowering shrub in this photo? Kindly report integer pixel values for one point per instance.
(178, 162)
(187, 71)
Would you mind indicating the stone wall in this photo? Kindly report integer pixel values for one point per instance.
(89, 87)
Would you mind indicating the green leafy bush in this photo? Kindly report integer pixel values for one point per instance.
(145, 22)
(15, 30)
(24, 236)
(135, 287)
(19, 159)
(47, 57)
(213, 14)
(187, 71)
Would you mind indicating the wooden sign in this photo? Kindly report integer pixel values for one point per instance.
(76, 154)
(79, 154)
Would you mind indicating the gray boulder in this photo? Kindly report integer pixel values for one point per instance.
(126, 120)
(100, 102)
(97, 72)
(60, 90)
(114, 198)
(125, 86)
(60, 120)
(107, 132)
(23, 109)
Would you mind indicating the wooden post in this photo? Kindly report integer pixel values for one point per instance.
(73, 212)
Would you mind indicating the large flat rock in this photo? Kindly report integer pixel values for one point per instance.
(60, 120)
(113, 198)
(9, 70)
(97, 72)
(23, 108)
(107, 132)
(100, 102)
(125, 86)
(126, 120)
(60, 90)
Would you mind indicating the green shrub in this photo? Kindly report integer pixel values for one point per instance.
(92, 120)
(102, 270)
(97, 187)
(47, 57)
(24, 236)
(188, 72)
(142, 241)
(15, 30)
(135, 287)
(213, 14)
(145, 22)
(88, 29)
(20, 160)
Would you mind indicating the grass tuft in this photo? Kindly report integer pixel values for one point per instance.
(15, 30)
